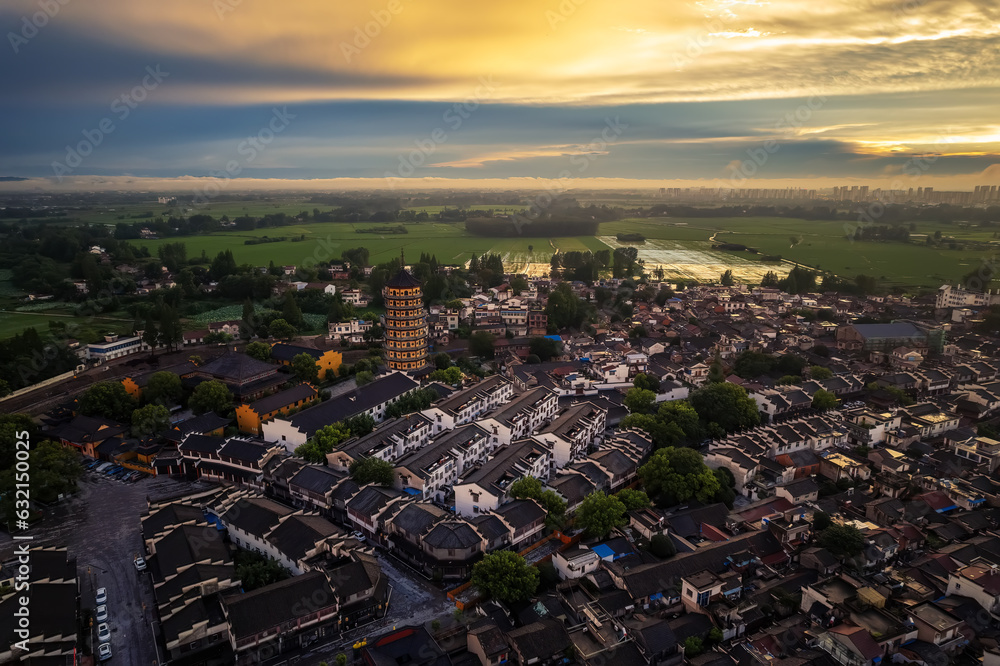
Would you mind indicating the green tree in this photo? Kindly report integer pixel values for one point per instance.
(304, 367)
(442, 361)
(360, 425)
(564, 308)
(54, 471)
(819, 373)
(526, 487)
(14, 428)
(281, 329)
(450, 375)
(163, 388)
(341, 659)
(599, 513)
(372, 470)
(716, 373)
(248, 320)
(150, 420)
(290, 311)
(661, 546)
(364, 377)
(633, 499)
(821, 521)
(259, 350)
(150, 335)
(505, 576)
(640, 401)
(107, 400)
(324, 441)
(681, 414)
(647, 382)
(171, 332)
(675, 475)
(842, 540)
(217, 337)
(211, 396)
(693, 646)
(481, 344)
(727, 278)
(555, 508)
(751, 364)
(544, 348)
(256, 571)
(726, 405)
(824, 400)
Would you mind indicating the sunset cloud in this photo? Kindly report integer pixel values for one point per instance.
(702, 82)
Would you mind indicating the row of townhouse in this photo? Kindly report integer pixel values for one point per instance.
(768, 456)
(204, 614)
(372, 399)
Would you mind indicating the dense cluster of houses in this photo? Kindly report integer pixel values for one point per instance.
(900, 460)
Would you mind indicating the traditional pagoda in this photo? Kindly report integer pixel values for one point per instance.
(406, 334)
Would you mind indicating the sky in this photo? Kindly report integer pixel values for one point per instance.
(119, 94)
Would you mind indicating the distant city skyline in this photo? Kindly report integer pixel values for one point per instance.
(888, 93)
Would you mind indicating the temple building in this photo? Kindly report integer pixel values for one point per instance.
(406, 334)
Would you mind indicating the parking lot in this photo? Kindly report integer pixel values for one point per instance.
(100, 526)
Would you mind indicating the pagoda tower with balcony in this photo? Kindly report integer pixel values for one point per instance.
(406, 334)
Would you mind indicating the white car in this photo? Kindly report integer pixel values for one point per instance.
(104, 651)
(140, 564)
(103, 632)
(360, 536)
(102, 596)
(102, 613)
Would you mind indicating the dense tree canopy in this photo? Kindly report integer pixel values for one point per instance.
(841, 540)
(640, 401)
(599, 513)
(163, 388)
(305, 368)
(823, 399)
(674, 475)
(324, 441)
(259, 350)
(505, 576)
(150, 420)
(726, 405)
(107, 400)
(372, 470)
(211, 396)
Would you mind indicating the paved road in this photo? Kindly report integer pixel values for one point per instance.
(100, 526)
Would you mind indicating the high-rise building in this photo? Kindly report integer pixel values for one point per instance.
(406, 335)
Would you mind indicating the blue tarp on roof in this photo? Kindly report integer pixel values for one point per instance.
(411, 491)
(603, 551)
(557, 338)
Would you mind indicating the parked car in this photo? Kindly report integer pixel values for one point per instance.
(102, 613)
(102, 595)
(360, 536)
(140, 564)
(104, 651)
(103, 632)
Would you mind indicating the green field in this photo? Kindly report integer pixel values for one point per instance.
(87, 330)
(449, 242)
(681, 246)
